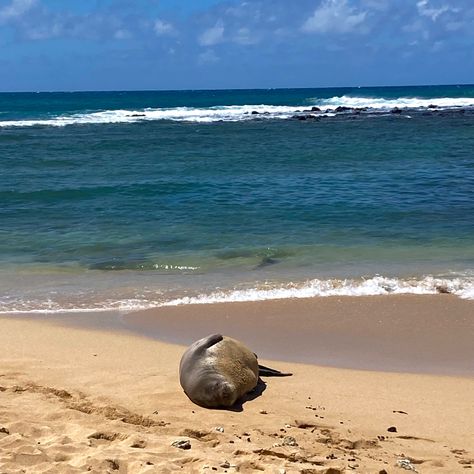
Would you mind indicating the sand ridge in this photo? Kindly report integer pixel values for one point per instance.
(75, 400)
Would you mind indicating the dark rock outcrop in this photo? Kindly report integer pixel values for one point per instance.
(342, 108)
(306, 117)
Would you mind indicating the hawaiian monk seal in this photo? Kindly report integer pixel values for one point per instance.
(217, 370)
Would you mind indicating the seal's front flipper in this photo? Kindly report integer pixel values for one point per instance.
(268, 372)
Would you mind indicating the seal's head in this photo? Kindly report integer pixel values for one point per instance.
(218, 393)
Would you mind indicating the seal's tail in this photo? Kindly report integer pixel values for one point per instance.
(268, 372)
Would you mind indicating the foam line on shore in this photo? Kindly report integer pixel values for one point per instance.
(375, 286)
(323, 288)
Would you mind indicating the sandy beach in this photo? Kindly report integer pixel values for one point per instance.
(266, 205)
(82, 397)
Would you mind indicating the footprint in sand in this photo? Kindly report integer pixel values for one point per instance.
(101, 438)
(205, 436)
(138, 443)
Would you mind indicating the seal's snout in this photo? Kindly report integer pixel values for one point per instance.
(227, 394)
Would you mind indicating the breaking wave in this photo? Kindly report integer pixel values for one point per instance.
(231, 113)
(382, 104)
(462, 287)
(238, 113)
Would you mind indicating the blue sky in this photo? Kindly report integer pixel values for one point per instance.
(203, 44)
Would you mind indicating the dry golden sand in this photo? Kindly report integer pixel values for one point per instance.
(81, 400)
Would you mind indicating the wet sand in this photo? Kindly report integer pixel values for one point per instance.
(100, 399)
(406, 333)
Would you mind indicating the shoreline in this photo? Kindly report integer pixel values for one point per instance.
(77, 399)
(61, 291)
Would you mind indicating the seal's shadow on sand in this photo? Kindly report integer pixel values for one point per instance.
(259, 389)
(252, 395)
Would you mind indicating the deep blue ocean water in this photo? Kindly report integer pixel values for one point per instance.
(132, 199)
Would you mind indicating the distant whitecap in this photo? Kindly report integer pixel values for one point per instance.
(240, 113)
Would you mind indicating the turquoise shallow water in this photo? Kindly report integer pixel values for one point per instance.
(131, 199)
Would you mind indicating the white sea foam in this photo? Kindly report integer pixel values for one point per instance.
(52, 307)
(379, 285)
(237, 113)
(378, 103)
(462, 287)
(232, 113)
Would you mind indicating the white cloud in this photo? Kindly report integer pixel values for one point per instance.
(378, 5)
(454, 25)
(15, 9)
(425, 9)
(122, 34)
(334, 16)
(208, 57)
(42, 32)
(163, 28)
(416, 27)
(212, 35)
(245, 37)
(238, 10)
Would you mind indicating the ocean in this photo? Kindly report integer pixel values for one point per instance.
(130, 200)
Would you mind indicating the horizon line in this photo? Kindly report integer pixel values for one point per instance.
(59, 91)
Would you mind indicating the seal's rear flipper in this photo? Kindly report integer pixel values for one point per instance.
(207, 342)
(268, 372)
